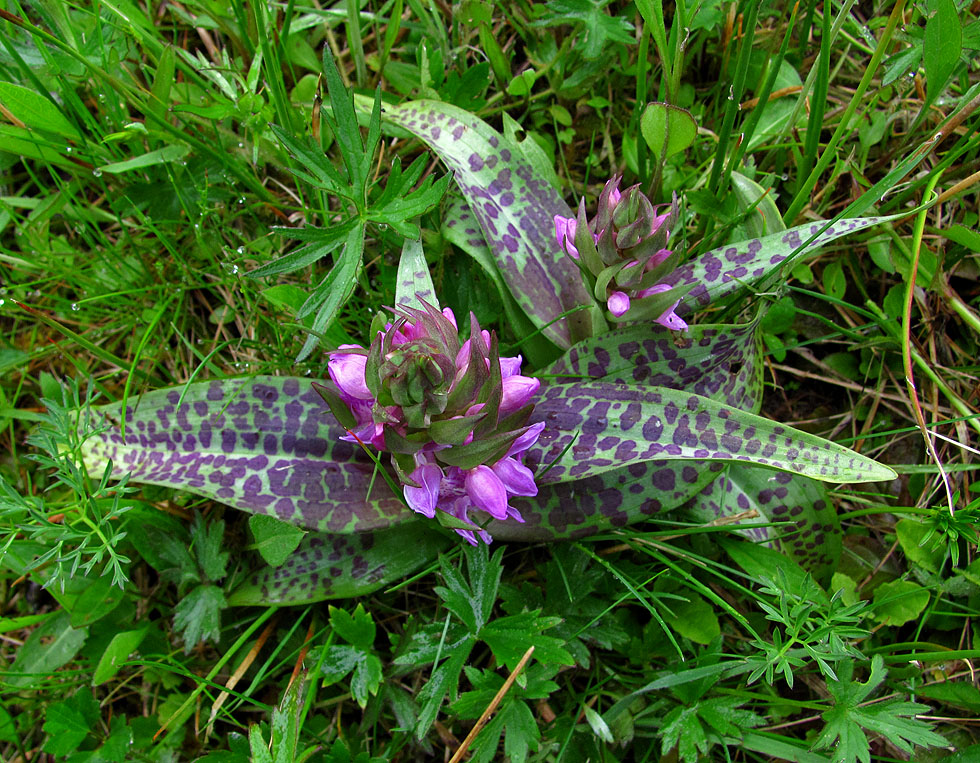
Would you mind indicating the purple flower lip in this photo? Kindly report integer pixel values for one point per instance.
(453, 415)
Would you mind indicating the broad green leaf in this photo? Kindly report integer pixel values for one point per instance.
(8, 729)
(957, 693)
(163, 155)
(117, 652)
(667, 129)
(36, 111)
(50, 646)
(765, 217)
(900, 601)
(761, 563)
(274, 540)
(343, 566)
(928, 554)
(99, 599)
(941, 46)
(514, 207)
(23, 142)
(694, 619)
(413, 282)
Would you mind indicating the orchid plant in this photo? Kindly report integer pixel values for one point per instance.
(631, 409)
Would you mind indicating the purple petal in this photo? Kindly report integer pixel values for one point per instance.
(517, 392)
(347, 372)
(658, 288)
(510, 366)
(656, 258)
(671, 320)
(526, 440)
(487, 491)
(424, 499)
(565, 229)
(618, 303)
(516, 477)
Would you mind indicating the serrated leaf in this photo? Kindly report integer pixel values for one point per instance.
(69, 722)
(198, 615)
(355, 628)
(207, 538)
(509, 638)
(847, 720)
(600, 29)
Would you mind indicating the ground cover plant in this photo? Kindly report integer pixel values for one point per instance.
(209, 207)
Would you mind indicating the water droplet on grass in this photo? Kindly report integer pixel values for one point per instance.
(240, 250)
(74, 307)
(97, 173)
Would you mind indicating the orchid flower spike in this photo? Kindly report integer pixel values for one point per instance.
(452, 414)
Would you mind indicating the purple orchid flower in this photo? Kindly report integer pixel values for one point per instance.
(453, 415)
(623, 254)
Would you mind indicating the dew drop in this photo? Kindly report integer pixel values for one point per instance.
(240, 250)
(68, 150)
(3, 302)
(234, 270)
(97, 173)
(74, 307)
(241, 199)
(241, 145)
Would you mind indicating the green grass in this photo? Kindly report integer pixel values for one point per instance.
(140, 183)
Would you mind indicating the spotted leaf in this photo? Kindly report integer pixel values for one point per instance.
(414, 282)
(514, 209)
(327, 566)
(266, 445)
(721, 271)
(716, 361)
(593, 427)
